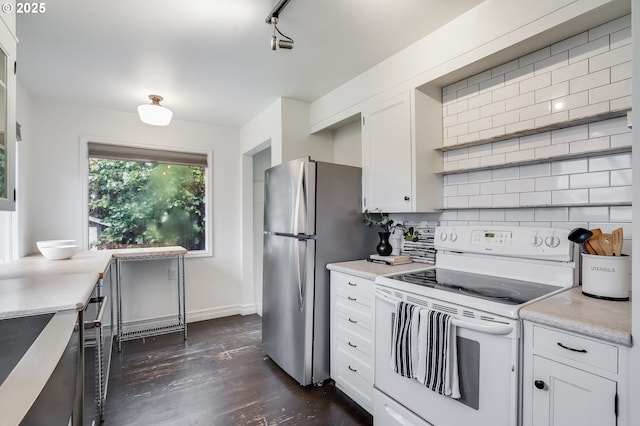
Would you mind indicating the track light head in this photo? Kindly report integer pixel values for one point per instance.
(286, 42)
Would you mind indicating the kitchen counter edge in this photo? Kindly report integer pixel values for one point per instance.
(572, 311)
(371, 270)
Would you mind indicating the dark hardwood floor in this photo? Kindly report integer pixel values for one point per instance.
(220, 376)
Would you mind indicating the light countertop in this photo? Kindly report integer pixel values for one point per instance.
(573, 311)
(371, 270)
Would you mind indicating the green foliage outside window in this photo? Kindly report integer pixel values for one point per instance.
(146, 204)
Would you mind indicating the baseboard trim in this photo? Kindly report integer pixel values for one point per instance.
(207, 314)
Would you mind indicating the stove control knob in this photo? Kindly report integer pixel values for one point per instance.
(443, 236)
(453, 236)
(552, 241)
(536, 240)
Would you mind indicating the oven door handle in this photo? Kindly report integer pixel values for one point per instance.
(490, 328)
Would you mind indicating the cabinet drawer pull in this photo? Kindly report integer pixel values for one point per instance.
(352, 369)
(352, 298)
(352, 284)
(352, 345)
(582, 351)
(353, 321)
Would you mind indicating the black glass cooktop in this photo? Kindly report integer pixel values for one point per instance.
(497, 289)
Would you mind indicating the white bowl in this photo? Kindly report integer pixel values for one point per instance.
(55, 243)
(59, 252)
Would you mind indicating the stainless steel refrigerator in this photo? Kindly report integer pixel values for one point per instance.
(313, 216)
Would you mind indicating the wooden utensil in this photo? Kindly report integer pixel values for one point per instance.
(595, 243)
(618, 238)
(606, 243)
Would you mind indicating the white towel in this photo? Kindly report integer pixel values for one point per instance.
(437, 353)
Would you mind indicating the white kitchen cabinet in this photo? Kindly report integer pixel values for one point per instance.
(399, 160)
(352, 300)
(8, 48)
(570, 379)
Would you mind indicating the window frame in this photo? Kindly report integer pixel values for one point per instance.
(84, 170)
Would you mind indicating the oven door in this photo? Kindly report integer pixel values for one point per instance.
(488, 358)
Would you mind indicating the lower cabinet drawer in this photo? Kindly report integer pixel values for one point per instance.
(355, 378)
(388, 412)
(575, 348)
(358, 348)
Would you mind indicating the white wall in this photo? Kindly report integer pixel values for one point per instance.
(51, 194)
(261, 162)
(347, 142)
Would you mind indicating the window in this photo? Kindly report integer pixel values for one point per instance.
(141, 197)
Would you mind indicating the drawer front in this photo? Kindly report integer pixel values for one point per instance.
(355, 322)
(355, 345)
(355, 378)
(575, 348)
(349, 286)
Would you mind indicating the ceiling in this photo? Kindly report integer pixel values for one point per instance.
(211, 59)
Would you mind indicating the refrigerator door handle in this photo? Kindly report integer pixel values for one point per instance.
(300, 199)
(302, 250)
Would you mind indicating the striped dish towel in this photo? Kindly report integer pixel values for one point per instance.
(437, 364)
(402, 348)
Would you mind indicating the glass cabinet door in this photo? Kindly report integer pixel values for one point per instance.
(7, 119)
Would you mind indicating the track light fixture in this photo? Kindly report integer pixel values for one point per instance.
(272, 19)
(286, 43)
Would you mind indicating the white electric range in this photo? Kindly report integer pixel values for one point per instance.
(482, 277)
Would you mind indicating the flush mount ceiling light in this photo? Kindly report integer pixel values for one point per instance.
(272, 19)
(154, 113)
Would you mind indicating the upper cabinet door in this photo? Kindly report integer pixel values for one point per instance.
(7, 118)
(386, 156)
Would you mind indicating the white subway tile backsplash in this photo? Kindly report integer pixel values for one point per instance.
(621, 72)
(619, 214)
(506, 173)
(611, 58)
(469, 189)
(504, 68)
(552, 214)
(535, 140)
(480, 201)
(497, 187)
(536, 56)
(520, 185)
(535, 198)
(621, 177)
(610, 27)
(590, 81)
(610, 162)
(547, 120)
(570, 134)
(480, 176)
(570, 196)
(550, 183)
(535, 170)
(581, 76)
(566, 167)
(589, 111)
(589, 180)
(570, 43)
(551, 63)
(619, 89)
(586, 51)
(620, 103)
(520, 215)
(624, 139)
(536, 110)
(506, 200)
(588, 214)
(617, 194)
(608, 127)
(570, 72)
(588, 145)
(552, 150)
(522, 73)
(522, 155)
(536, 82)
(620, 38)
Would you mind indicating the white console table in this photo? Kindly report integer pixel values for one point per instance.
(150, 327)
